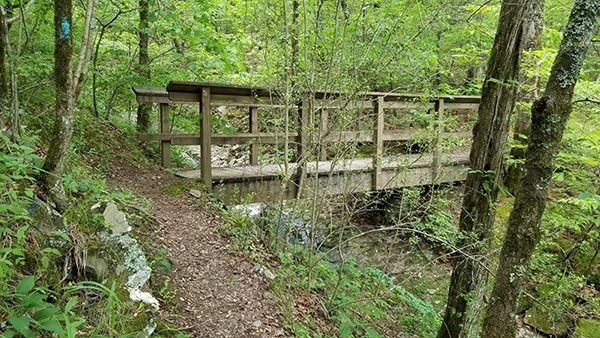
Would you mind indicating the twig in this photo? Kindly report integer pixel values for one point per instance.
(587, 100)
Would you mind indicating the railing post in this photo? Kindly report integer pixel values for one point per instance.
(165, 146)
(205, 141)
(378, 143)
(253, 128)
(437, 140)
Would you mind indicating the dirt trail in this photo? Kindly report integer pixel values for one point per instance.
(217, 294)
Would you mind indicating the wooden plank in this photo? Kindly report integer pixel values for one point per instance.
(451, 105)
(150, 91)
(378, 143)
(245, 101)
(253, 128)
(268, 188)
(228, 89)
(274, 138)
(165, 145)
(358, 103)
(165, 136)
(348, 136)
(406, 105)
(152, 99)
(246, 138)
(237, 138)
(388, 135)
(325, 168)
(184, 97)
(205, 140)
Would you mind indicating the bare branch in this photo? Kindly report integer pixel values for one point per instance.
(587, 99)
(22, 12)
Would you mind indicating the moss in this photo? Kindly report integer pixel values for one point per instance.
(543, 321)
(587, 328)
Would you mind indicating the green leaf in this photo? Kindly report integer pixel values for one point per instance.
(52, 325)
(21, 324)
(45, 314)
(52, 251)
(8, 334)
(28, 192)
(71, 303)
(21, 232)
(25, 285)
(35, 299)
(371, 333)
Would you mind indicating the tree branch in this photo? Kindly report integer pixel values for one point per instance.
(587, 99)
(22, 12)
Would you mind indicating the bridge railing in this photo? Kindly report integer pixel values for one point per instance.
(303, 133)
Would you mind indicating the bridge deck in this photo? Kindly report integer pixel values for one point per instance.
(257, 172)
(334, 177)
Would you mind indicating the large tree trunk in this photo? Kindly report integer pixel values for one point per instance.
(9, 98)
(143, 110)
(549, 117)
(63, 125)
(5, 119)
(532, 41)
(490, 133)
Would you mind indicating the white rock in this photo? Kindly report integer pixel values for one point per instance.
(144, 297)
(115, 219)
(263, 271)
(196, 193)
(252, 210)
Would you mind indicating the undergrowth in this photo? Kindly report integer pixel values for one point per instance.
(43, 291)
(320, 298)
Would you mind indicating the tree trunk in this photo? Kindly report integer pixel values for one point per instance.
(143, 110)
(498, 96)
(5, 119)
(532, 41)
(294, 41)
(85, 52)
(549, 117)
(63, 125)
(9, 96)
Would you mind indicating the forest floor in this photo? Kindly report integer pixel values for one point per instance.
(217, 294)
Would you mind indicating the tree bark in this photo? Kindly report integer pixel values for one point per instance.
(143, 110)
(5, 118)
(3, 66)
(532, 41)
(549, 117)
(85, 52)
(9, 95)
(498, 96)
(63, 125)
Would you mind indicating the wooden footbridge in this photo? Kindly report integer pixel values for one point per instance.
(317, 143)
